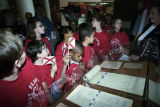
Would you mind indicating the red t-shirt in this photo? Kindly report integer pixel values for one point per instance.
(44, 40)
(88, 56)
(76, 35)
(61, 51)
(101, 44)
(25, 91)
(118, 40)
(74, 73)
(46, 71)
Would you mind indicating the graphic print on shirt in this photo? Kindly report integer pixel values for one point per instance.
(116, 46)
(37, 94)
(75, 76)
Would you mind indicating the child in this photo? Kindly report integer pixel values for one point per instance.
(119, 41)
(36, 32)
(101, 42)
(19, 88)
(74, 72)
(86, 33)
(37, 51)
(62, 48)
(74, 25)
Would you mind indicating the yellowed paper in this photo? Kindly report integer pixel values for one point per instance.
(154, 92)
(88, 97)
(91, 73)
(126, 83)
(133, 65)
(111, 64)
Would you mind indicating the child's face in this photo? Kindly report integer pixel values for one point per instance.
(118, 24)
(69, 34)
(95, 23)
(39, 28)
(91, 38)
(77, 56)
(45, 52)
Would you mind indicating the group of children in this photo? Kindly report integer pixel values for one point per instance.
(24, 75)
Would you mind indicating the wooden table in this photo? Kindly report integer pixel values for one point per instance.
(138, 101)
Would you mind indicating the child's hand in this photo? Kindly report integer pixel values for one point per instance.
(82, 66)
(66, 59)
(126, 51)
(53, 70)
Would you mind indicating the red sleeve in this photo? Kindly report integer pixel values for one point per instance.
(59, 53)
(76, 35)
(59, 60)
(106, 43)
(125, 42)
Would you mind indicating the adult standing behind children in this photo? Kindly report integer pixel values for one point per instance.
(150, 34)
(19, 88)
(101, 44)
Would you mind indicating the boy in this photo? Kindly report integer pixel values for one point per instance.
(18, 89)
(74, 73)
(37, 50)
(86, 33)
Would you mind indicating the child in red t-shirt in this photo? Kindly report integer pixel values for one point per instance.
(38, 52)
(74, 25)
(19, 88)
(62, 48)
(101, 44)
(36, 31)
(74, 72)
(119, 42)
(86, 32)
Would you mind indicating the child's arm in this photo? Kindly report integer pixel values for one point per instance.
(66, 60)
(49, 95)
(53, 70)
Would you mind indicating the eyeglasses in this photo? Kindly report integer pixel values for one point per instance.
(40, 26)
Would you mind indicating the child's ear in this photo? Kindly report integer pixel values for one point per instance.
(38, 55)
(71, 53)
(86, 38)
(17, 64)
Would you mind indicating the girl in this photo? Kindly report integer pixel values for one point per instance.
(36, 32)
(62, 47)
(119, 41)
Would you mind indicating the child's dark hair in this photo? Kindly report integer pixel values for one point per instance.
(85, 30)
(113, 27)
(31, 25)
(33, 48)
(78, 47)
(64, 30)
(100, 19)
(11, 49)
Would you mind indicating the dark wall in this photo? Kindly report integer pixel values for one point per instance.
(125, 9)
